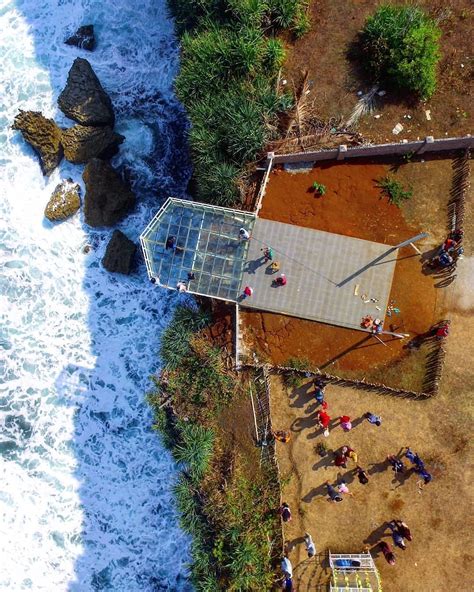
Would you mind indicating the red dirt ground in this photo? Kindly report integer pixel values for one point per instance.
(324, 53)
(351, 206)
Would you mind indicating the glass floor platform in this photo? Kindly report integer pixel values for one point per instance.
(199, 245)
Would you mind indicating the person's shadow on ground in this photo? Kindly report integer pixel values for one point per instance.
(319, 491)
(375, 536)
(379, 467)
(303, 423)
(252, 266)
(301, 395)
(324, 462)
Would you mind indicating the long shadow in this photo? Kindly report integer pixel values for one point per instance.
(375, 536)
(127, 538)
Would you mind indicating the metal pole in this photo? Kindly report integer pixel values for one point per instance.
(254, 415)
(378, 338)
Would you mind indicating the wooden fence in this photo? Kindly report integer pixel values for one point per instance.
(343, 152)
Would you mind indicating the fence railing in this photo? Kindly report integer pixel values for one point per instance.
(343, 152)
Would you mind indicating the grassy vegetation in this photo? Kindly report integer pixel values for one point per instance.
(401, 48)
(295, 379)
(225, 503)
(230, 58)
(394, 190)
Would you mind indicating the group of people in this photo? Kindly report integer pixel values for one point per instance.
(449, 251)
(287, 567)
(400, 532)
(336, 492)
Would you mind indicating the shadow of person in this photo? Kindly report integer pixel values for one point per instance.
(379, 467)
(375, 536)
(324, 462)
(290, 545)
(357, 421)
(301, 395)
(252, 266)
(303, 423)
(400, 478)
(319, 491)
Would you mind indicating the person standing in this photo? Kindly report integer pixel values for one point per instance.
(333, 495)
(397, 537)
(346, 423)
(281, 280)
(286, 567)
(344, 489)
(403, 529)
(397, 464)
(309, 544)
(414, 458)
(267, 254)
(319, 395)
(323, 419)
(373, 419)
(248, 291)
(362, 475)
(244, 235)
(285, 512)
(387, 552)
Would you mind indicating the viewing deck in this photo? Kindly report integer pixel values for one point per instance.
(322, 271)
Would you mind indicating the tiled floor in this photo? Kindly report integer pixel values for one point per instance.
(322, 270)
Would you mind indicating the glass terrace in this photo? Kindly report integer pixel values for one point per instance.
(207, 254)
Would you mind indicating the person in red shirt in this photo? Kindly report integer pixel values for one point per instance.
(323, 419)
(281, 280)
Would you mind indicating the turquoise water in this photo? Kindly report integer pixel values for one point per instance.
(85, 499)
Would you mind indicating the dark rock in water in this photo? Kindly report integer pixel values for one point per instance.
(83, 142)
(120, 253)
(84, 99)
(108, 199)
(83, 38)
(64, 202)
(43, 135)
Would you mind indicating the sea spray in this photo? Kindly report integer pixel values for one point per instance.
(85, 498)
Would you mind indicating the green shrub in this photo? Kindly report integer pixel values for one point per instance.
(394, 190)
(319, 188)
(218, 183)
(194, 449)
(175, 339)
(274, 54)
(187, 504)
(400, 45)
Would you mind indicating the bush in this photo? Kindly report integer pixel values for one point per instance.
(400, 45)
(194, 449)
(187, 504)
(175, 339)
(394, 190)
(319, 188)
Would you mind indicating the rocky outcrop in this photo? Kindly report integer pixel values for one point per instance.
(84, 99)
(108, 199)
(120, 254)
(43, 135)
(83, 38)
(82, 142)
(64, 202)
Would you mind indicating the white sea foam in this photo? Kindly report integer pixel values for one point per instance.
(85, 498)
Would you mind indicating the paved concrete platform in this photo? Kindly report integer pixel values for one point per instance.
(322, 270)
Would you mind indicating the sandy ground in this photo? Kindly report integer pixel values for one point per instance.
(438, 515)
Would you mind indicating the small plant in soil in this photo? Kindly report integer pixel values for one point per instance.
(394, 190)
(318, 188)
(322, 449)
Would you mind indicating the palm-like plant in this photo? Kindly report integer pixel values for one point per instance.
(194, 449)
